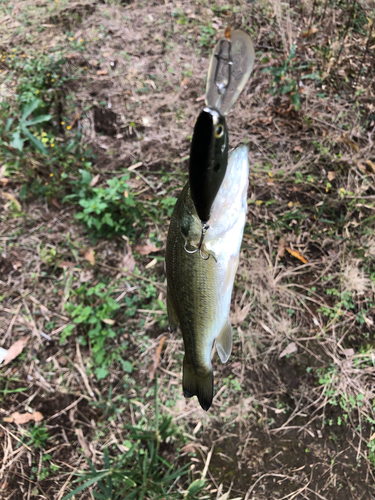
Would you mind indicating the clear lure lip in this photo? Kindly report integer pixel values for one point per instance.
(230, 67)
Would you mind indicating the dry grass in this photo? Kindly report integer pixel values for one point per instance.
(292, 426)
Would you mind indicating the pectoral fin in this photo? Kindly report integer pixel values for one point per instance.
(224, 342)
(172, 315)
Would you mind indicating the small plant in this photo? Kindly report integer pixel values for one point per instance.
(207, 37)
(22, 129)
(37, 436)
(286, 78)
(107, 210)
(34, 147)
(93, 315)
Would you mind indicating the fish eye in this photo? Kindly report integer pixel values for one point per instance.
(219, 131)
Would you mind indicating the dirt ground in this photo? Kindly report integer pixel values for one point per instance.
(293, 414)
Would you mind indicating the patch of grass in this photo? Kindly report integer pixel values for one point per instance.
(142, 471)
(34, 125)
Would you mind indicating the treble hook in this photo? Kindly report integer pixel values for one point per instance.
(205, 227)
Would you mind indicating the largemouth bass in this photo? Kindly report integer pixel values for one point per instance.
(199, 288)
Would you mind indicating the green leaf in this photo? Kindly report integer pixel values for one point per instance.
(126, 366)
(16, 141)
(88, 483)
(86, 177)
(29, 109)
(38, 119)
(68, 330)
(195, 487)
(312, 76)
(35, 141)
(8, 124)
(101, 373)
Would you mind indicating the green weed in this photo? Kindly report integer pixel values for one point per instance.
(93, 316)
(141, 472)
(286, 78)
(107, 211)
(33, 145)
(37, 436)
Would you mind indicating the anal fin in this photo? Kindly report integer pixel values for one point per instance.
(224, 342)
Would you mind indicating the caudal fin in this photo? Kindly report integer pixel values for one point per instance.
(198, 384)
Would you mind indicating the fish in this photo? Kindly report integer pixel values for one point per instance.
(199, 284)
(208, 160)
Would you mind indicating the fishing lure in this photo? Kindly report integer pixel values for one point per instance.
(230, 67)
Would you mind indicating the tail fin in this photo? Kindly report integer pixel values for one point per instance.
(198, 384)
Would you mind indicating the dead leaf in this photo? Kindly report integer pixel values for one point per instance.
(23, 418)
(151, 264)
(201, 98)
(108, 321)
(65, 264)
(94, 180)
(15, 350)
(82, 441)
(136, 165)
(296, 254)
(331, 175)
(17, 265)
(75, 119)
(146, 249)
(13, 199)
(102, 72)
(289, 349)
(128, 261)
(89, 256)
(371, 165)
(281, 248)
(350, 143)
(86, 276)
(55, 203)
(361, 167)
(310, 32)
(240, 314)
(156, 357)
(184, 82)
(348, 352)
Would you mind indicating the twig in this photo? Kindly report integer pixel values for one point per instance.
(13, 320)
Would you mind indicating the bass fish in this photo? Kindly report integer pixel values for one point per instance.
(201, 271)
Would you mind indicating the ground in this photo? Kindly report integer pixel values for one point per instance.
(98, 103)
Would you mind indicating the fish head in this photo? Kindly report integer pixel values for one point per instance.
(208, 160)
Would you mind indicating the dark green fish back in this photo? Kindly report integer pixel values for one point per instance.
(193, 292)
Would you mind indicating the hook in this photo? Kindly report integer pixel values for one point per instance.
(205, 227)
